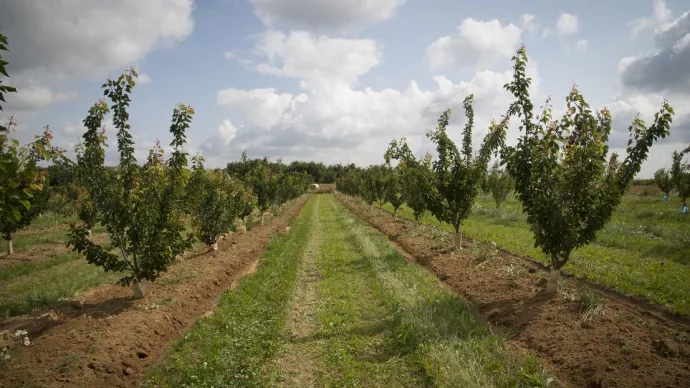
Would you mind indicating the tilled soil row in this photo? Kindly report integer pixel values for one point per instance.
(626, 346)
(106, 338)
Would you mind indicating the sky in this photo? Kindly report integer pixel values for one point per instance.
(335, 81)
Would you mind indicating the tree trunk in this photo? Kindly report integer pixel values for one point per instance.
(395, 214)
(89, 230)
(552, 283)
(243, 225)
(139, 288)
(457, 241)
(262, 218)
(214, 246)
(9, 247)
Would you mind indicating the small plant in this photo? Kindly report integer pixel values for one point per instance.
(591, 304)
(483, 251)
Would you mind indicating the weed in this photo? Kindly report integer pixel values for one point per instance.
(68, 364)
(591, 304)
(483, 251)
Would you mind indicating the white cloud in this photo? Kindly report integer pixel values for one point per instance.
(32, 96)
(260, 107)
(86, 37)
(527, 21)
(659, 17)
(227, 131)
(477, 44)
(143, 79)
(305, 56)
(567, 24)
(581, 45)
(341, 14)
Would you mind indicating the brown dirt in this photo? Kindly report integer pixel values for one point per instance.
(42, 252)
(106, 338)
(628, 346)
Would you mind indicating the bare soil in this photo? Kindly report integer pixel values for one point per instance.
(629, 345)
(106, 338)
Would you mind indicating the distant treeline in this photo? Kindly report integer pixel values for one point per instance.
(318, 172)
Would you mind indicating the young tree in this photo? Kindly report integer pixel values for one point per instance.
(264, 182)
(415, 176)
(500, 184)
(89, 169)
(213, 211)
(680, 175)
(562, 178)
(368, 186)
(394, 191)
(379, 179)
(21, 181)
(291, 186)
(458, 173)
(664, 181)
(139, 207)
(245, 201)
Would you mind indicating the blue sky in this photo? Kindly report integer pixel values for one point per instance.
(335, 81)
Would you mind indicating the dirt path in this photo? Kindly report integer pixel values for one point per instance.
(622, 346)
(297, 367)
(105, 338)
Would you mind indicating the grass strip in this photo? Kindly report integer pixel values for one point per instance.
(445, 335)
(247, 329)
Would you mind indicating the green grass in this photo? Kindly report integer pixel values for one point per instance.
(433, 327)
(377, 321)
(354, 318)
(36, 266)
(231, 347)
(48, 286)
(34, 236)
(644, 251)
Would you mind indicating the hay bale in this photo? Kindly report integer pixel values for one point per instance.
(314, 186)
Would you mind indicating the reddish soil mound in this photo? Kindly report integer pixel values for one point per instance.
(627, 346)
(105, 338)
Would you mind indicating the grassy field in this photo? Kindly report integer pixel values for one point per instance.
(333, 304)
(644, 251)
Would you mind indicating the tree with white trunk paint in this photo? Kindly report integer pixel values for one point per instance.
(457, 174)
(264, 182)
(562, 177)
(214, 209)
(141, 208)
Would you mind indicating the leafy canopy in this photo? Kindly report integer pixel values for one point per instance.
(141, 208)
(562, 178)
